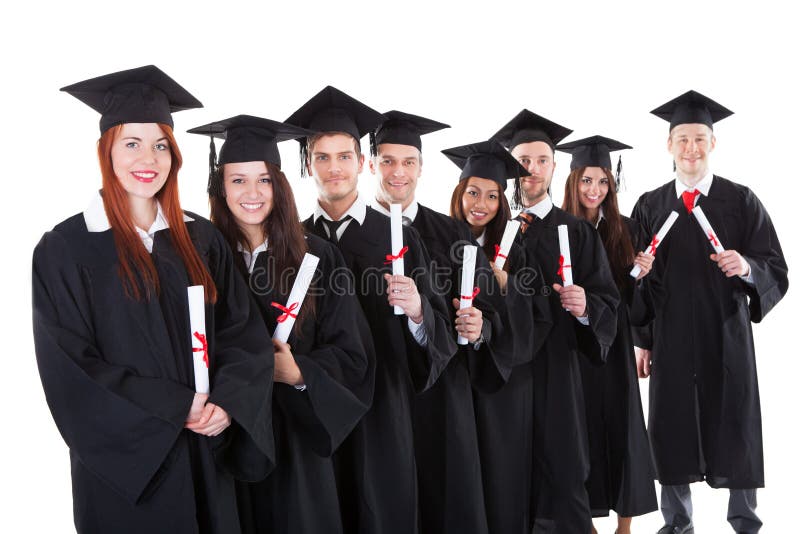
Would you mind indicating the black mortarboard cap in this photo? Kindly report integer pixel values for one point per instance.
(593, 151)
(692, 108)
(144, 94)
(527, 127)
(487, 159)
(403, 129)
(247, 138)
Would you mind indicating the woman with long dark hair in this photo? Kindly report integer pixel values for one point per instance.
(482, 204)
(114, 343)
(324, 374)
(621, 476)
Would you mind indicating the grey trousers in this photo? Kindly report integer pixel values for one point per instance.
(676, 507)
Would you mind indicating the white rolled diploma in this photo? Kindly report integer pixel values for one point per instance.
(197, 325)
(296, 296)
(657, 239)
(711, 235)
(397, 244)
(467, 281)
(564, 262)
(505, 244)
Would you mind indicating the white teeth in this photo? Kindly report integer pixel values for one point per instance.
(145, 174)
(251, 206)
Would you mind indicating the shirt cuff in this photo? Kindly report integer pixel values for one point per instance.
(583, 320)
(749, 278)
(300, 387)
(418, 332)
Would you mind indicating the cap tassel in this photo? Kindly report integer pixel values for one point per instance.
(373, 147)
(674, 167)
(213, 188)
(619, 177)
(303, 155)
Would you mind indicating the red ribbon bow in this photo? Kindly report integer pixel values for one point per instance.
(287, 312)
(497, 253)
(653, 244)
(474, 294)
(204, 348)
(390, 258)
(561, 266)
(713, 238)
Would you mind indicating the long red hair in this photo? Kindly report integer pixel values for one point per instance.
(136, 267)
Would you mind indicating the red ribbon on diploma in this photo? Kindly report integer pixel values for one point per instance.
(713, 238)
(287, 312)
(474, 294)
(390, 258)
(653, 244)
(204, 348)
(497, 253)
(561, 266)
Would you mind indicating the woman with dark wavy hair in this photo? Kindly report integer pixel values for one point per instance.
(621, 475)
(324, 374)
(114, 343)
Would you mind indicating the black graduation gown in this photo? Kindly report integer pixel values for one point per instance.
(560, 443)
(375, 465)
(705, 415)
(335, 355)
(445, 434)
(119, 380)
(621, 474)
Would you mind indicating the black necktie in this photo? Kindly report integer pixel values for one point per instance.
(525, 219)
(333, 226)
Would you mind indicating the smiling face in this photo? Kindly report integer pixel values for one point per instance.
(593, 188)
(397, 167)
(248, 194)
(141, 159)
(335, 166)
(537, 158)
(690, 146)
(480, 202)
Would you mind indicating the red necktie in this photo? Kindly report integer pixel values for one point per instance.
(688, 199)
(525, 219)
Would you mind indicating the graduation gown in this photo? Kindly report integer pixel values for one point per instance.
(621, 473)
(334, 352)
(376, 464)
(560, 443)
(705, 415)
(119, 380)
(445, 434)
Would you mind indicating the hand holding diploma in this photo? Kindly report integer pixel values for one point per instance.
(573, 299)
(640, 266)
(731, 263)
(212, 419)
(395, 258)
(402, 294)
(469, 322)
(286, 369)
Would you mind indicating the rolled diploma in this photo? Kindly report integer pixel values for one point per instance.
(657, 239)
(512, 227)
(566, 266)
(197, 324)
(397, 244)
(711, 235)
(297, 295)
(467, 281)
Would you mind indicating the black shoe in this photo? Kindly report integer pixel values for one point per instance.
(672, 529)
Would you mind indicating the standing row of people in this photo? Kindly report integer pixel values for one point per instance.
(371, 418)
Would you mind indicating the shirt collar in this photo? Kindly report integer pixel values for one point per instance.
(410, 212)
(541, 208)
(600, 217)
(250, 257)
(703, 185)
(482, 238)
(97, 220)
(357, 211)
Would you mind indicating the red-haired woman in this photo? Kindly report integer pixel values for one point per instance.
(324, 374)
(113, 338)
(621, 476)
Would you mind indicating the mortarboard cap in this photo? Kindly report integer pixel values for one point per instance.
(527, 127)
(593, 151)
(487, 159)
(403, 129)
(692, 108)
(144, 94)
(247, 138)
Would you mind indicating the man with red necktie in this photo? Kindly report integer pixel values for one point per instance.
(705, 418)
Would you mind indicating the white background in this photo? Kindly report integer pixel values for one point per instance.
(596, 68)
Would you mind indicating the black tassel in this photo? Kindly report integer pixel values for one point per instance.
(373, 147)
(619, 177)
(674, 168)
(214, 187)
(303, 155)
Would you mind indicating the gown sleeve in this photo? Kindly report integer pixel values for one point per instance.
(120, 425)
